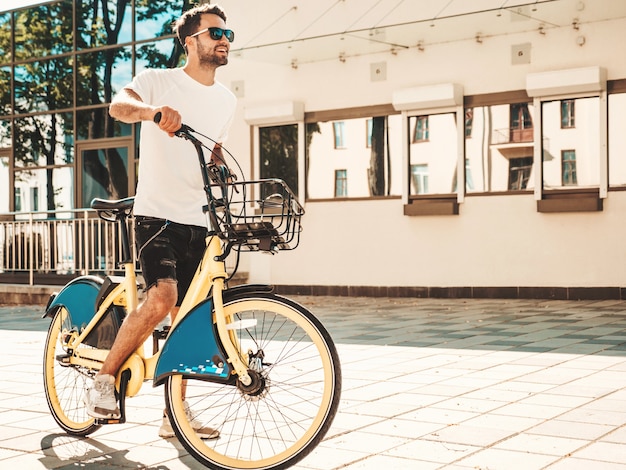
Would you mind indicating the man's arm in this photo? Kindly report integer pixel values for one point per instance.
(128, 107)
(217, 156)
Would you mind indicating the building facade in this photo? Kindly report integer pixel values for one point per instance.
(439, 149)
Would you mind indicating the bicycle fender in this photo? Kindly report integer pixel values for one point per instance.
(193, 348)
(79, 299)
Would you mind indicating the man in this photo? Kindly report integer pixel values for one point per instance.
(170, 225)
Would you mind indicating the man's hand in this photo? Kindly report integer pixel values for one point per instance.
(171, 119)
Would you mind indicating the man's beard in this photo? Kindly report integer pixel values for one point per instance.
(207, 57)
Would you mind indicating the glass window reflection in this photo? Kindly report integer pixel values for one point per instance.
(55, 189)
(99, 23)
(499, 148)
(279, 154)
(105, 173)
(43, 30)
(166, 53)
(571, 153)
(617, 139)
(5, 91)
(4, 183)
(98, 124)
(44, 140)
(5, 133)
(433, 154)
(155, 17)
(43, 86)
(5, 38)
(359, 157)
(95, 82)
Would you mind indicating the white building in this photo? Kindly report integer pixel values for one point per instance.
(498, 84)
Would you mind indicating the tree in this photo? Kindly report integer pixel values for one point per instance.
(45, 85)
(279, 154)
(376, 172)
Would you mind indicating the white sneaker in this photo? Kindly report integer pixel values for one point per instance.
(204, 432)
(100, 398)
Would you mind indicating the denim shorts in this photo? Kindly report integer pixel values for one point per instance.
(168, 250)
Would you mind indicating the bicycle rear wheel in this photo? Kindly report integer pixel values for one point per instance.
(65, 384)
(289, 407)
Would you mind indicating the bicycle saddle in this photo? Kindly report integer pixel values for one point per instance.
(113, 205)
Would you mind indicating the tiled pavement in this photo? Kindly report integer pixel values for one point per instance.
(428, 384)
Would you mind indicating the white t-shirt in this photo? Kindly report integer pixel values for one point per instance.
(170, 183)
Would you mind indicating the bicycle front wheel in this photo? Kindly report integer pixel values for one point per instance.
(279, 418)
(64, 383)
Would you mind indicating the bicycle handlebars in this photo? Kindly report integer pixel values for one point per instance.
(259, 215)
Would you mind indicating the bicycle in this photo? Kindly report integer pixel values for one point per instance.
(258, 367)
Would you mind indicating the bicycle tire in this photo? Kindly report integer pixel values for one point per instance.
(65, 385)
(283, 421)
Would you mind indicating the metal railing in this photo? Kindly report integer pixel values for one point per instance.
(74, 242)
(69, 243)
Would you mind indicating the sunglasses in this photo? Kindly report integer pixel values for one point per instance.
(217, 33)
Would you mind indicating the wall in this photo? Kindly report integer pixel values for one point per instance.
(496, 240)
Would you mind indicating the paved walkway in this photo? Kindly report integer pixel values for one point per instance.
(428, 384)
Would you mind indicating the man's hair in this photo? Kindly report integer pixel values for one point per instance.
(189, 21)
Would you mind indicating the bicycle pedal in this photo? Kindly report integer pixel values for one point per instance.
(110, 420)
(63, 358)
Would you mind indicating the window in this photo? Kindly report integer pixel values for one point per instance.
(437, 152)
(18, 199)
(5, 92)
(469, 118)
(44, 140)
(375, 167)
(419, 179)
(521, 124)
(420, 129)
(519, 173)
(498, 148)
(165, 53)
(568, 164)
(571, 155)
(95, 84)
(156, 18)
(92, 29)
(341, 183)
(617, 139)
(4, 181)
(104, 173)
(94, 123)
(5, 37)
(44, 85)
(34, 199)
(57, 183)
(60, 65)
(339, 133)
(567, 114)
(43, 30)
(279, 154)
(469, 180)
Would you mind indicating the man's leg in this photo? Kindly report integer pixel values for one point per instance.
(136, 328)
(140, 324)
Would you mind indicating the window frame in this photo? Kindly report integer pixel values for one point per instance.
(569, 198)
(341, 183)
(367, 113)
(568, 114)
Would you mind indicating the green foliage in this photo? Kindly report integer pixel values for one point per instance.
(279, 154)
